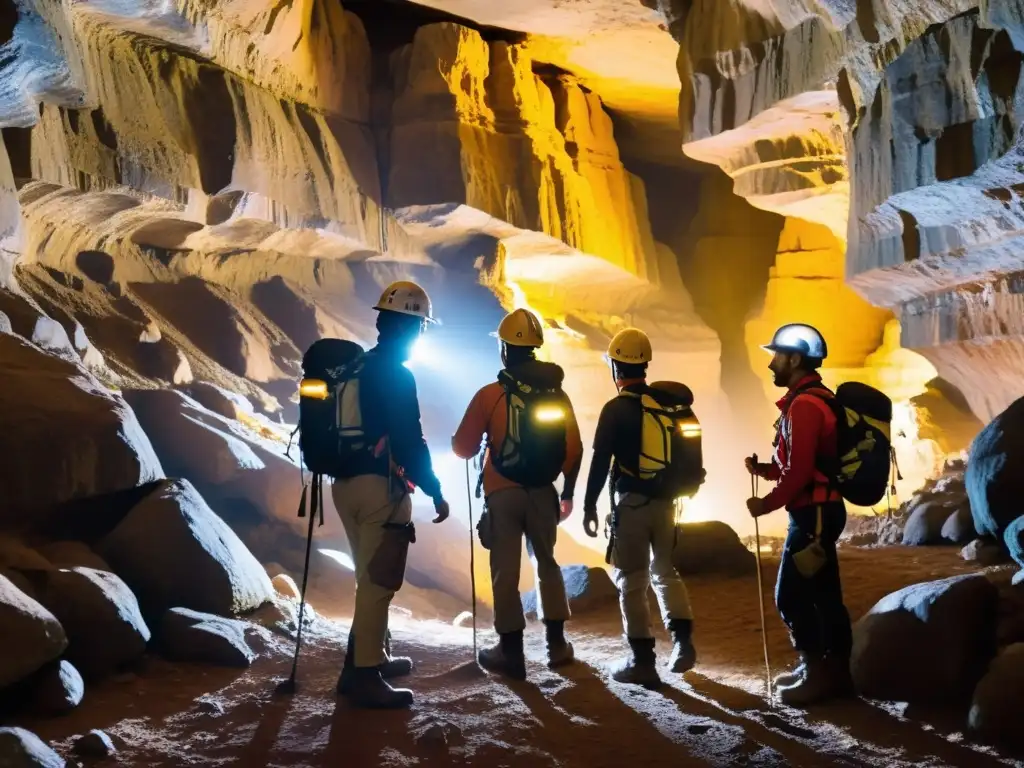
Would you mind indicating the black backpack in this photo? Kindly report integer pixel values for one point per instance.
(330, 422)
(864, 459)
(533, 451)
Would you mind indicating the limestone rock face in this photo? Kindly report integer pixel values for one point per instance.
(59, 420)
(908, 153)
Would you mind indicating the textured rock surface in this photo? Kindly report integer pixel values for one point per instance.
(931, 223)
(994, 481)
(32, 636)
(100, 616)
(186, 635)
(926, 642)
(23, 749)
(172, 550)
(588, 589)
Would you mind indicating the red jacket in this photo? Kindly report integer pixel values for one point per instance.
(807, 430)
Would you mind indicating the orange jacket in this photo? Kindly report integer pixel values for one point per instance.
(487, 414)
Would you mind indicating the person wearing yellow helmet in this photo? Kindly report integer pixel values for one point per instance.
(372, 495)
(531, 437)
(643, 515)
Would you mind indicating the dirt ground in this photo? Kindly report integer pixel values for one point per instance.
(175, 715)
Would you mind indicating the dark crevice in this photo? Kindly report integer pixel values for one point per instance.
(8, 20)
(19, 151)
(911, 236)
(390, 24)
(867, 21)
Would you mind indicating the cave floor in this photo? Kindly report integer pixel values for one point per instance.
(183, 715)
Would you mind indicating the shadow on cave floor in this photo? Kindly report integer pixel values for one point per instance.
(576, 716)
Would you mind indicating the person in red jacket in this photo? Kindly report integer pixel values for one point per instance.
(808, 592)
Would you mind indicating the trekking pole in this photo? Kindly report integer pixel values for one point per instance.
(472, 554)
(288, 686)
(760, 588)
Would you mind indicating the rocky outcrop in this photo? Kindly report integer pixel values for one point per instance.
(994, 481)
(931, 223)
(100, 447)
(192, 636)
(32, 635)
(929, 642)
(174, 526)
(23, 749)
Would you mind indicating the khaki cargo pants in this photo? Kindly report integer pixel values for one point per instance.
(365, 504)
(513, 513)
(645, 526)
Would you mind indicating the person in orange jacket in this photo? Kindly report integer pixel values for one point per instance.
(520, 467)
(811, 604)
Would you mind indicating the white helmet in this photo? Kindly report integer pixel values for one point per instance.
(406, 298)
(799, 337)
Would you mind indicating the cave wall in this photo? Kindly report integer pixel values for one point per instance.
(897, 126)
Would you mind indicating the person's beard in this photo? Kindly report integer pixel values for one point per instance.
(780, 379)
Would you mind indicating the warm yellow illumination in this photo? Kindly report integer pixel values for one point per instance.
(694, 509)
(549, 414)
(313, 388)
(689, 429)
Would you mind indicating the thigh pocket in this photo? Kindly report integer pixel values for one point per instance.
(630, 553)
(387, 566)
(810, 560)
(484, 529)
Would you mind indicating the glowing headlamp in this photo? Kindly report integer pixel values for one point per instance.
(689, 429)
(549, 414)
(313, 388)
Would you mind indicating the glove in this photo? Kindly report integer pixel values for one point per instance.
(564, 510)
(755, 506)
(442, 510)
(590, 522)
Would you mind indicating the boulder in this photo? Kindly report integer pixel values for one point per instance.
(995, 482)
(100, 616)
(53, 690)
(999, 697)
(191, 636)
(1013, 538)
(959, 526)
(173, 551)
(70, 554)
(925, 523)
(20, 580)
(101, 446)
(285, 586)
(983, 552)
(711, 547)
(586, 588)
(23, 749)
(95, 744)
(928, 641)
(32, 636)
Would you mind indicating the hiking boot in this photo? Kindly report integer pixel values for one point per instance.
(639, 668)
(366, 689)
(393, 666)
(791, 678)
(684, 655)
(506, 657)
(560, 650)
(817, 685)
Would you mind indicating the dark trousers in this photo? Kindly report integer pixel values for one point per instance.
(813, 608)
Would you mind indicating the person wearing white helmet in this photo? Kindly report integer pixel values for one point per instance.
(808, 593)
(372, 497)
(643, 530)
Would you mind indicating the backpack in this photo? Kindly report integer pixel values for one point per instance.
(330, 418)
(864, 452)
(671, 445)
(533, 451)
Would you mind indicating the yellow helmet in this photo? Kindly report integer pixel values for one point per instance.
(521, 328)
(630, 345)
(406, 298)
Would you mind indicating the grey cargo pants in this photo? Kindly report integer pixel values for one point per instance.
(511, 514)
(645, 536)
